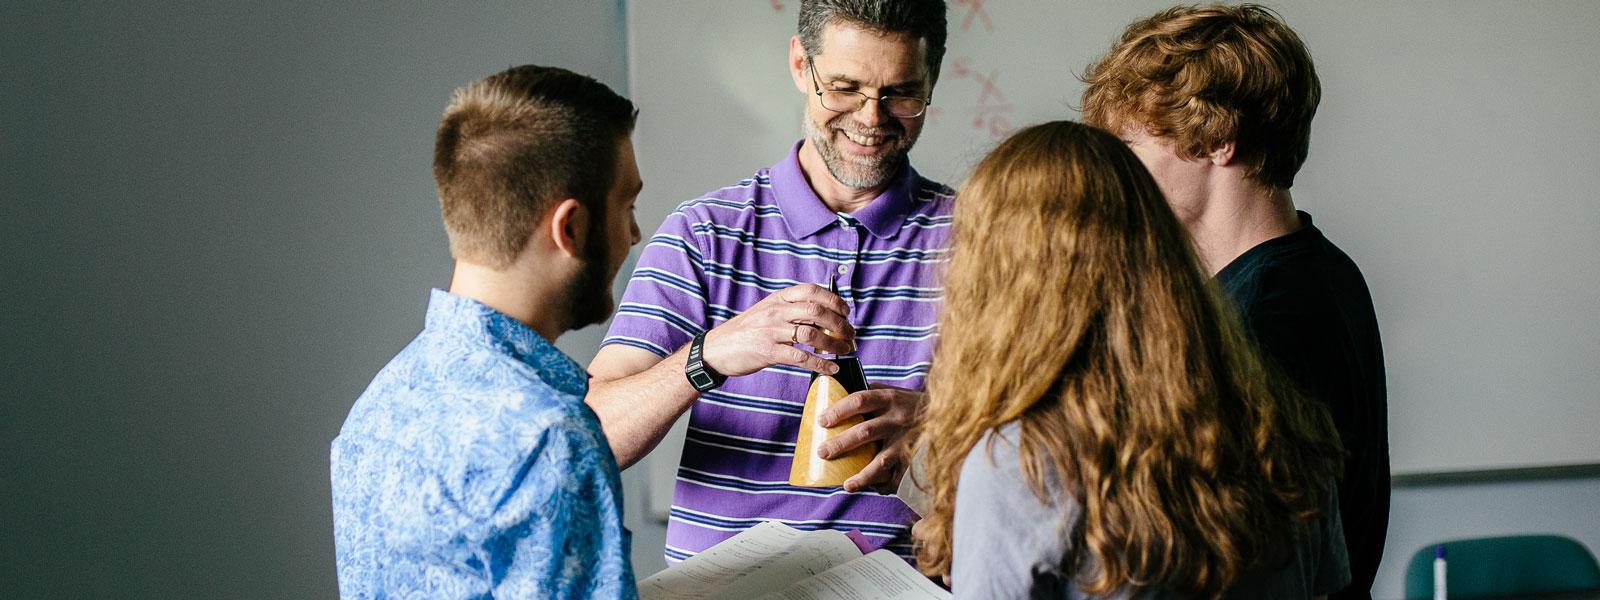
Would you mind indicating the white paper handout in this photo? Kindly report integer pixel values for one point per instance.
(789, 564)
(916, 498)
(877, 576)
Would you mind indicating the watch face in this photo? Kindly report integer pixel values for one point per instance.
(700, 380)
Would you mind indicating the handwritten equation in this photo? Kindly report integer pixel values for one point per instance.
(992, 113)
(975, 10)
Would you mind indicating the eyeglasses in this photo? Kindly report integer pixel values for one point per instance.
(905, 107)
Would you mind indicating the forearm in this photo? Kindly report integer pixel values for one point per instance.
(637, 411)
(639, 397)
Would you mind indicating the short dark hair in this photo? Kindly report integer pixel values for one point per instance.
(1208, 75)
(920, 19)
(512, 145)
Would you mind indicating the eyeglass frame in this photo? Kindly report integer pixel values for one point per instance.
(816, 87)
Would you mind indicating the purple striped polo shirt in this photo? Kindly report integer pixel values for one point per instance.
(716, 256)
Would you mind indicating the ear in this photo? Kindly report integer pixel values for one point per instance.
(1222, 156)
(797, 65)
(569, 224)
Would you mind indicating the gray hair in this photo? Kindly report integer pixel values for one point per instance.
(920, 19)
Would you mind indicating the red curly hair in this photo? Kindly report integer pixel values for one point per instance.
(1204, 76)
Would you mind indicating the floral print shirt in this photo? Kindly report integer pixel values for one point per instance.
(471, 468)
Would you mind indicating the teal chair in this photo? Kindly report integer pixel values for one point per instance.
(1521, 564)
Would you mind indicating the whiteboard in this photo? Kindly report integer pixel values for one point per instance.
(1454, 157)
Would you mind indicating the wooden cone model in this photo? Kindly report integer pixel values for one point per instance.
(810, 471)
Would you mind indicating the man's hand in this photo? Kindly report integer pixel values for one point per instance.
(889, 412)
(765, 335)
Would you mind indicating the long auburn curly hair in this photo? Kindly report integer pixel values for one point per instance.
(1075, 306)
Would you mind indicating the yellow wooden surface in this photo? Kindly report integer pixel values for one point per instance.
(810, 471)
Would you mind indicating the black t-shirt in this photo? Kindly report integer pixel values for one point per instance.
(1307, 305)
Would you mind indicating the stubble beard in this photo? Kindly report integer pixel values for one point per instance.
(857, 172)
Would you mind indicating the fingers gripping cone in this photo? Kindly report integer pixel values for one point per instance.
(810, 471)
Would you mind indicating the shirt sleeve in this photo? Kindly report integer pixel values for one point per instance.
(1333, 570)
(665, 303)
(555, 531)
(1007, 543)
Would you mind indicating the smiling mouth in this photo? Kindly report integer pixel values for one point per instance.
(864, 139)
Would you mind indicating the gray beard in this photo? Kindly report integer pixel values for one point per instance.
(850, 173)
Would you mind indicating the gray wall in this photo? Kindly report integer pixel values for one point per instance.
(216, 223)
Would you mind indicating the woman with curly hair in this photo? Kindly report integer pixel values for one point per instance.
(1098, 426)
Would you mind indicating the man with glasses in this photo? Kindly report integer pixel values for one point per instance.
(723, 316)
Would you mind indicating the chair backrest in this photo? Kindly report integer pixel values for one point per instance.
(1521, 564)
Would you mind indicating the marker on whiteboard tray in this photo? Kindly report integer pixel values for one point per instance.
(1438, 573)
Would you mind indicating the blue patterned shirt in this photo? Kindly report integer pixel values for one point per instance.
(471, 468)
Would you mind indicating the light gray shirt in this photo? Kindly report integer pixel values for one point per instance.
(1009, 544)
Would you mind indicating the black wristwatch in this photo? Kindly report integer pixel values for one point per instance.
(701, 375)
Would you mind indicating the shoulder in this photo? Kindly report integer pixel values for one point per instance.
(401, 392)
(487, 414)
(1303, 275)
(470, 441)
(993, 469)
(749, 197)
(992, 475)
(535, 417)
(928, 190)
(931, 206)
(556, 452)
(574, 426)
(996, 454)
(932, 197)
